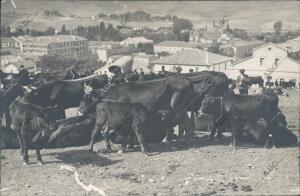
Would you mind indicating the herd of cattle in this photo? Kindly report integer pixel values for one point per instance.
(137, 112)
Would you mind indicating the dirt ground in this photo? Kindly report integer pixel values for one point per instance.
(205, 168)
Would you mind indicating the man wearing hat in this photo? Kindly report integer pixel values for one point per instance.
(241, 82)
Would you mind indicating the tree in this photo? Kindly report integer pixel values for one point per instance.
(19, 31)
(240, 33)
(180, 25)
(277, 27)
(102, 30)
(109, 32)
(214, 48)
(102, 15)
(50, 31)
(63, 30)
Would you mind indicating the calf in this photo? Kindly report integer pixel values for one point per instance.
(205, 123)
(240, 109)
(33, 125)
(127, 120)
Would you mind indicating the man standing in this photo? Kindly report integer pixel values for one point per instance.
(141, 75)
(276, 83)
(242, 82)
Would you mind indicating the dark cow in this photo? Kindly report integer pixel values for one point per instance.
(255, 80)
(75, 131)
(237, 110)
(60, 93)
(275, 90)
(33, 125)
(64, 93)
(173, 92)
(130, 122)
(206, 83)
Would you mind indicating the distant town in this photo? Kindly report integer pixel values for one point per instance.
(216, 47)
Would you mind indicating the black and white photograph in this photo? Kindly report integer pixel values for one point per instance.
(149, 98)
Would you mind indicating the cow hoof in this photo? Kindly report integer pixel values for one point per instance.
(146, 154)
(233, 146)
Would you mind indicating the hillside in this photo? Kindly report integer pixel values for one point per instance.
(259, 15)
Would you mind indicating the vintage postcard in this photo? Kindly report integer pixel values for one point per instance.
(154, 98)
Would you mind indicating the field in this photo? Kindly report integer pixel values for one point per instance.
(205, 168)
(254, 15)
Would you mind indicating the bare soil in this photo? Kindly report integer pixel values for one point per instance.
(205, 168)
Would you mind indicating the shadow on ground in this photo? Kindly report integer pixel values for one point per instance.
(80, 158)
(200, 142)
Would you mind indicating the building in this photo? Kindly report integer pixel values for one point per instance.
(267, 59)
(192, 60)
(65, 45)
(209, 37)
(239, 48)
(173, 47)
(142, 61)
(92, 47)
(135, 41)
(9, 42)
(109, 49)
(292, 46)
(138, 44)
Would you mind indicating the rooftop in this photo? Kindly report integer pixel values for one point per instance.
(179, 44)
(192, 57)
(242, 43)
(293, 44)
(134, 40)
(51, 39)
(210, 35)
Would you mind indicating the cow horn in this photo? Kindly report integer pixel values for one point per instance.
(80, 80)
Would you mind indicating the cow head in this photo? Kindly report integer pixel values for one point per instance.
(211, 105)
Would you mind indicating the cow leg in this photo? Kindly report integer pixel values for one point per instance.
(38, 155)
(270, 139)
(212, 131)
(21, 143)
(181, 114)
(124, 143)
(100, 122)
(131, 142)
(107, 139)
(25, 147)
(7, 118)
(187, 127)
(234, 133)
(139, 135)
(192, 128)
